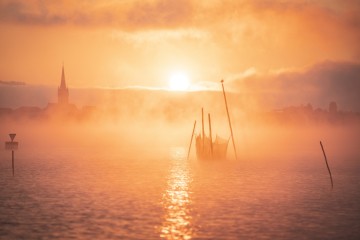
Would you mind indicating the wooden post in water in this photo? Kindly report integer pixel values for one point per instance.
(227, 111)
(13, 164)
(211, 143)
(327, 165)
(203, 130)
(192, 136)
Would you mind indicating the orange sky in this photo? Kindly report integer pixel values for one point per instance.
(140, 43)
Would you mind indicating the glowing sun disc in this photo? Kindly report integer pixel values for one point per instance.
(179, 81)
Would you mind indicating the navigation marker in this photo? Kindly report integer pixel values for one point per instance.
(12, 146)
(12, 136)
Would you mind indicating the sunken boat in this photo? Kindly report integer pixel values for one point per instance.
(206, 148)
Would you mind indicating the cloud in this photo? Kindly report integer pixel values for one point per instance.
(19, 12)
(162, 13)
(219, 37)
(134, 15)
(237, 19)
(243, 75)
(320, 84)
(12, 83)
(159, 35)
(169, 13)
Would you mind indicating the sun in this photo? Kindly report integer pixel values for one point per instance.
(179, 81)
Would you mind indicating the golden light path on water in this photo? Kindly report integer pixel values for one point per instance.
(176, 201)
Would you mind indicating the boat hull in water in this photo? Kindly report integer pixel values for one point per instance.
(207, 151)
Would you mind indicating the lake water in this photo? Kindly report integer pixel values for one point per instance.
(80, 193)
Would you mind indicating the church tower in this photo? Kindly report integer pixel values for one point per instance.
(63, 91)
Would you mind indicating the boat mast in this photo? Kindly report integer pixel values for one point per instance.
(192, 136)
(227, 111)
(211, 143)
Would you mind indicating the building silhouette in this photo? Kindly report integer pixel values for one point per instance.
(333, 109)
(63, 91)
(63, 107)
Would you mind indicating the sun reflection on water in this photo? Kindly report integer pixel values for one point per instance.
(176, 201)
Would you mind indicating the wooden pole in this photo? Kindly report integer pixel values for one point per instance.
(227, 111)
(203, 130)
(327, 165)
(192, 136)
(211, 143)
(13, 165)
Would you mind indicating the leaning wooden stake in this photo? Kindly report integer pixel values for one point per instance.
(227, 111)
(192, 136)
(327, 165)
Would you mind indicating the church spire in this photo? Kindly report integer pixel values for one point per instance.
(63, 91)
(63, 83)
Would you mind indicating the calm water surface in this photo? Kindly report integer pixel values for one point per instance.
(80, 193)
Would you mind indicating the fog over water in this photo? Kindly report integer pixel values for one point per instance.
(122, 172)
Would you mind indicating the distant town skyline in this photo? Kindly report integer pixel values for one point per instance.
(319, 85)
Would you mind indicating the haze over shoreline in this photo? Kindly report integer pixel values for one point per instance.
(318, 85)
